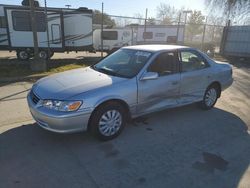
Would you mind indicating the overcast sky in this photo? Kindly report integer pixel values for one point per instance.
(121, 7)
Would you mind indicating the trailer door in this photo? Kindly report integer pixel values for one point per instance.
(55, 30)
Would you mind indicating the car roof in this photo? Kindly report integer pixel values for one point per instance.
(156, 47)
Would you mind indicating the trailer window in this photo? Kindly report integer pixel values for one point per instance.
(109, 35)
(147, 35)
(3, 22)
(22, 21)
(171, 39)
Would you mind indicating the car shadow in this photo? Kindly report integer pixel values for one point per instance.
(181, 147)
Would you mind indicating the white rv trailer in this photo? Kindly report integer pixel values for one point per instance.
(68, 30)
(113, 39)
(160, 34)
(3, 29)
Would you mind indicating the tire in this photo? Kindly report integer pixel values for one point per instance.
(23, 55)
(108, 121)
(51, 54)
(210, 97)
(43, 54)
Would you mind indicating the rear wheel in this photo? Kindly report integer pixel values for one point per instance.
(210, 97)
(23, 55)
(108, 121)
(43, 54)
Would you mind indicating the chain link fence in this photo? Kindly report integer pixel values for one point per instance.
(150, 31)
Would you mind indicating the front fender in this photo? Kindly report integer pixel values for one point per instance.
(108, 98)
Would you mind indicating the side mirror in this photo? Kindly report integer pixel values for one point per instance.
(149, 76)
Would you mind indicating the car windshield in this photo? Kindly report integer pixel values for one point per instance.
(123, 63)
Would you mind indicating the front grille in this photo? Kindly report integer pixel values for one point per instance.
(34, 98)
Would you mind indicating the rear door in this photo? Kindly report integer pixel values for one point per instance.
(162, 92)
(194, 76)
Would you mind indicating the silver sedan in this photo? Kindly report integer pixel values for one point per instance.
(131, 82)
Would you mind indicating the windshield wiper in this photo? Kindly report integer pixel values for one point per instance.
(108, 72)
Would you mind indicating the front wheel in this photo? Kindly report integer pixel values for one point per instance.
(108, 121)
(210, 97)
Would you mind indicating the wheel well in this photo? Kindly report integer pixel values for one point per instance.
(218, 87)
(119, 101)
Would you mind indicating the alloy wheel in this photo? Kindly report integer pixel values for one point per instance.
(110, 122)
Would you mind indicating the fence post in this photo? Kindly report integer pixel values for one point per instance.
(102, 33)
(145, 25)
(178, 28)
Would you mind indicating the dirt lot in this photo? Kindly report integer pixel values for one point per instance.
(182, 147)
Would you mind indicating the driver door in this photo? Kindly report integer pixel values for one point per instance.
(163, 91)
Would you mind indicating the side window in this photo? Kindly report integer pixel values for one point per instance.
(191, 60)
(110, 35)
(147, 35)
(164, 64)
(22, 22)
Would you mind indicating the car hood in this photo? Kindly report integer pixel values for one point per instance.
(70, 83)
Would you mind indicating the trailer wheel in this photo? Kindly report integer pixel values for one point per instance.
(51, 54)
(22, 55)
(43, 55)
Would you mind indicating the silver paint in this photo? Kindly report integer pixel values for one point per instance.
(141, 95)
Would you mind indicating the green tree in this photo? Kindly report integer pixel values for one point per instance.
(151, 21)
(97, 19)
(140, 18)
(195, 24)
(239, 10)
(168, 14)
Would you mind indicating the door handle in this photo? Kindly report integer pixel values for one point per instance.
(175, 82)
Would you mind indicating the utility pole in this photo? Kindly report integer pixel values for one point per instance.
(47, 27)
(38, 64)
(34, 28)
(68, 6)
(102, 33)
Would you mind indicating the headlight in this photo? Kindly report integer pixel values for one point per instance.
(65, 106)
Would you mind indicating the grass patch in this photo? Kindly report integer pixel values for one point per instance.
(63, 68)
(15, 68)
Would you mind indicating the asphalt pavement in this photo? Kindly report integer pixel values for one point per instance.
(181, 147)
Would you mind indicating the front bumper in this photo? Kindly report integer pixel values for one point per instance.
(227, 84)
(59, 122)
